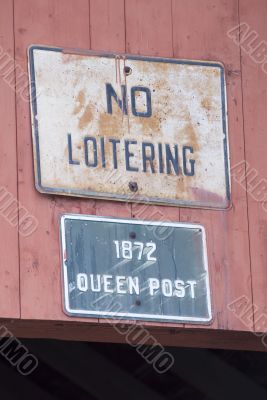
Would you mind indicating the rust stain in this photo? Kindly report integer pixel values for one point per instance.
(217, 72)
(157, 68)
(205, 103)
(111, 124)
(80, 100)
(152, 125)
(180, 188)
(107, 126)
(87, 114)
(189, 132)
(66, 58)
(206, 196)
(86, 117)
(149, 126)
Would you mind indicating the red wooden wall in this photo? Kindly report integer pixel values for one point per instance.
(30, 281)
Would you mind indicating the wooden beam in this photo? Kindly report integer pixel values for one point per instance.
(197, 338)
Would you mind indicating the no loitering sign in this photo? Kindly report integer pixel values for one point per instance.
(129, 127)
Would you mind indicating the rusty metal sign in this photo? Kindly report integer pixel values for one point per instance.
(123, 269)
(129, 127)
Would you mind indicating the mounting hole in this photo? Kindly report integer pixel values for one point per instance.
(133, 186)
(127, 70)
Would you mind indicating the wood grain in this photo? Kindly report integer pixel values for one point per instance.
(206, 38)
(64, 24)
(149, 32)
(110, 14)
(9, 259)
(177, 337)
(193, 30)
(254, 83)
(107, 25)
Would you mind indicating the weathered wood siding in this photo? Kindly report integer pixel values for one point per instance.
(30, 281)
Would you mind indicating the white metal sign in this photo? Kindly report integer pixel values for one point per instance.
(129, 128)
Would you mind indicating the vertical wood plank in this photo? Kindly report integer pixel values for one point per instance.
(149, 32)
(64, 24)
(254, 82)
(107, 26)
(200, 32)
(9, 260)
(149, 27)
(110, 14)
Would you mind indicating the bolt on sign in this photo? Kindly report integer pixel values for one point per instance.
(130, 269)
(129, 127)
